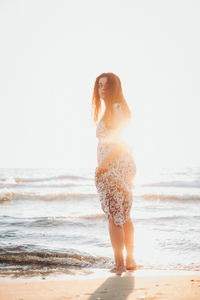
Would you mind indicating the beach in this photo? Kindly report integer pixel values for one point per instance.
(80, 79)
(128, 286)
(51, 222)
(54, 241)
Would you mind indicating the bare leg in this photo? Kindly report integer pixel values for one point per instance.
(129, 244)
(117, 241)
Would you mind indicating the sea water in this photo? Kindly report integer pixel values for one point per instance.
(51, 222)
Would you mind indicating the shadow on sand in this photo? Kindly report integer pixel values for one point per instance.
(115, 287)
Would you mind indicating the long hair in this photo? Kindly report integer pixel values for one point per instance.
(114, 95)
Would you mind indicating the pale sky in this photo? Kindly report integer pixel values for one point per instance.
(51, 53)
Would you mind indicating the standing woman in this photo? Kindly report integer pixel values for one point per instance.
(116, 168)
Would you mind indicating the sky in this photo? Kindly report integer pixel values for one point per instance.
(51, 53)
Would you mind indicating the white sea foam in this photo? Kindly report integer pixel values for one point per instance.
(53, 211)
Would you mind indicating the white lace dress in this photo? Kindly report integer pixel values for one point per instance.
(114, 184)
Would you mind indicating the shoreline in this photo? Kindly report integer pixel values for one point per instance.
(132, 285)
(95, 273)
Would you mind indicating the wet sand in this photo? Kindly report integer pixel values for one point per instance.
(127, 286)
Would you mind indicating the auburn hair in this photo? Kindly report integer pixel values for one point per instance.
(114, 95)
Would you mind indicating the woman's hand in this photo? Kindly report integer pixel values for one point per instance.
(102, 167)
(104, 164)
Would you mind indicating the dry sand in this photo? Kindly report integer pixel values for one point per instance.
(129, 286)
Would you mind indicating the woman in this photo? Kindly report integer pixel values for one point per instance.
(116, 168)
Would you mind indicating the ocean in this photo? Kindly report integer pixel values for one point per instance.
(51, 222)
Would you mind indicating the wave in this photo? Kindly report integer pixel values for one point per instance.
(51, 221)
(175, 183)
(168, 197)
(42, 186)
(17, 180)
(92, 217)
(17, 259)
(173, 218)
(64, 220)
(7, 195)
(24, 256)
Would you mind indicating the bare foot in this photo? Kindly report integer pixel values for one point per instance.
(118, 270)
(130, 263)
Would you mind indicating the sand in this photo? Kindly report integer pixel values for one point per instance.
(128, 286)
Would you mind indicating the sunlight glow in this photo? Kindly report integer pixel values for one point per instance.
(48, 69)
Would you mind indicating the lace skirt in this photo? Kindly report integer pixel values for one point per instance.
(114, 186)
